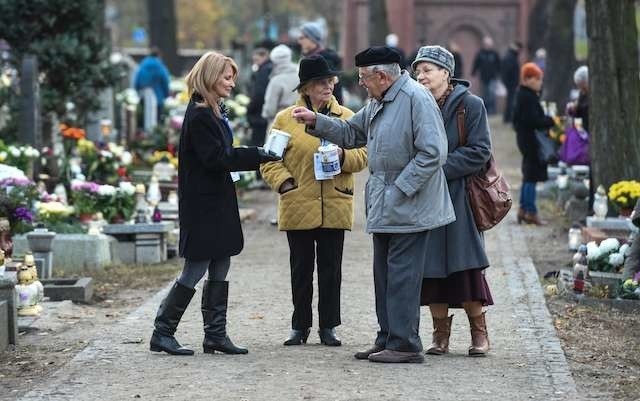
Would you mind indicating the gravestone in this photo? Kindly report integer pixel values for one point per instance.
(94, 127)
(30, 122)
(150, 109)
(8, 295)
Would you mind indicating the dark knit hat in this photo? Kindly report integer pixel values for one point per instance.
(314, 67)
(313, 31)
(437, 55)
(377, 55)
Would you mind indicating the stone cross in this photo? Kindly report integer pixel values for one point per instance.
(30, 121)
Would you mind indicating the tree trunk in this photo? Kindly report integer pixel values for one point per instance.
(561, 59)
(538, 26)
(162, 28)
(614, 104)
(378, 27)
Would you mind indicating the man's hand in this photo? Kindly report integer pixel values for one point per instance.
(304, 116)
(265, 156)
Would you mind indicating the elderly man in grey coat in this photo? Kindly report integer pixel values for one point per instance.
(406, 194)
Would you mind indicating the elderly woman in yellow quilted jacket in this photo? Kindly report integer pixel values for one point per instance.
(314, 213)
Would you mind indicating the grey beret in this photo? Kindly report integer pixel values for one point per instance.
(436, 55)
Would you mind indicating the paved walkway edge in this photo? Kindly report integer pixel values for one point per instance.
(533, 317)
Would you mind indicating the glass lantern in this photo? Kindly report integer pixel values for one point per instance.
(575, 237)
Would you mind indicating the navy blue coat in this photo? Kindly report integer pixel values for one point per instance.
(459, 246)
(208, 208)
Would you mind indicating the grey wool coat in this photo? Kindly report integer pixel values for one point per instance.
(459, 246)
(406, 149)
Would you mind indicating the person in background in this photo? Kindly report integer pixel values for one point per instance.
(392, 40)
(540, 58)
(312, 41)
(458, 71)
(511, 77)
(259, 80)
(580, 107)
(314, 213)
(406, 194)
(486, 66)
(528, 116)
(280, 92)
(455, 279)
(152, 73)
(210, 230)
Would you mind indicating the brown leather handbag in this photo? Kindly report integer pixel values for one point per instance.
(488, 190)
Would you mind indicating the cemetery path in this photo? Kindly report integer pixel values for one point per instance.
(526, 361)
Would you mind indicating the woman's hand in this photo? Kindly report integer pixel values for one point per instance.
(265, 156)
(287, 186)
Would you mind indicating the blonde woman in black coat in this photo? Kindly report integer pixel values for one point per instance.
(210, 231)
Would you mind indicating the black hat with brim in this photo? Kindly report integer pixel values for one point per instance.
(377, 55)
(313, 68)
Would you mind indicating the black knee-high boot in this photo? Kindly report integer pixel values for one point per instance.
(169, 314)
(214, 314)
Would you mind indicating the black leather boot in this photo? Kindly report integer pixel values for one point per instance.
(297, 337)
(328, 337)
(214, 314)
(169, 314)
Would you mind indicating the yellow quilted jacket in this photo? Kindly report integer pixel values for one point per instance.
(312, 204)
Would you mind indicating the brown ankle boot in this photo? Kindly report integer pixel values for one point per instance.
(533, 218)
(521, 214)
(479, 336)
(441, 333)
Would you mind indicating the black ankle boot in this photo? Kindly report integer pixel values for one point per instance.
(328, 337)
(214, 314)
(297, 337)
(169, 314)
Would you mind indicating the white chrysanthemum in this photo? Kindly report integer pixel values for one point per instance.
(3, 156)
(616, 259)
(593, 251)
(126, 158)
(609, 245)
(15, 152)
(625, 249)
(106, 190)
(127, 187)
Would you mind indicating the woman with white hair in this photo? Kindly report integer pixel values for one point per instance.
(580, 108)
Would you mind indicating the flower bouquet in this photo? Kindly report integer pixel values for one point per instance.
(630, 289)
(20, 156)
(624, 195)
(84, 196)
(609, 256)
(17, 196)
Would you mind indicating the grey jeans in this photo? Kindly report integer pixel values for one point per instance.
(398, 264)
(194, 270)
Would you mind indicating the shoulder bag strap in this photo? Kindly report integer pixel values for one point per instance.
(460, 114)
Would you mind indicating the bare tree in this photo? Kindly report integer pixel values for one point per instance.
(162, 27)
(378, 26)
(614, 104)
(538, 26)
(561, 59)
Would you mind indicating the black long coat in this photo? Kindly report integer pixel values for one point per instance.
(528, 116)
(208, 208)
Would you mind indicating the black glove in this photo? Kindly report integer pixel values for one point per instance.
(265, 156)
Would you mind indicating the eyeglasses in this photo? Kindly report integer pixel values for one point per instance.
(365, 77)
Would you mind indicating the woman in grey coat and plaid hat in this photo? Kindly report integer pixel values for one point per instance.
(456, 258)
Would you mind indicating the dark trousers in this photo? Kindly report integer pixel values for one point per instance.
(304, 245)
(398, 264)
(507, 117)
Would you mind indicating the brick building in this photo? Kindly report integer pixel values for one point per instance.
(439, 22)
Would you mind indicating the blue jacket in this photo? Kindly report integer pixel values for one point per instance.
(152, 73)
